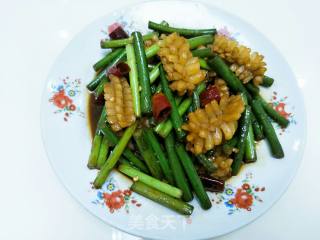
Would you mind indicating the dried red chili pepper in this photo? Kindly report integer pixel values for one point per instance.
(211, 93)
(116, 31)
(119, 70)
(212, 184)
(161, 107)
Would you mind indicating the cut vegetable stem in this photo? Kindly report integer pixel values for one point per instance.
(206, 163)
(104, 62)
(277, 117)
(267, 81)
(229, 146)
(113, 139)
(143, 73)
(164, 128)
(162, 198)
(103, 152)
(152, 51)
(97, 80)
(150, 181)
(97, 84)
(194, 179)
(203, 53)
(182, 31)
(257, 128)
(250, 147)
(155, 73)
(220, 67)
(196, 96)
(96, 142)
(243, 128)
(114, 157)
(134, 82)
(163, 161)
(174, 116)
(200, 40)
(94, 154)
(268, 129)
(100, 89)
(124, 42)
(147, 154)
(254, 90)
(178, 173)
(204, 64)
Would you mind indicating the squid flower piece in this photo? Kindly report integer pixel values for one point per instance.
(119, 103)
(212, 125)
(247, 65)
(182, 68)
(221, 85)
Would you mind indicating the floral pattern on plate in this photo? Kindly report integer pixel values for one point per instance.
(114, 198)
(64, 97)
(240, 198)
(226, 32)
(280, 104)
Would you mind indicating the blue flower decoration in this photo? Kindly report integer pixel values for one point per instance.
(228, 204)
(99, 195)
(228, 191)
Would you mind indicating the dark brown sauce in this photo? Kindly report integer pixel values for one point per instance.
(94, 109)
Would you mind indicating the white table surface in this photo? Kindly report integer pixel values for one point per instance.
(33, 203)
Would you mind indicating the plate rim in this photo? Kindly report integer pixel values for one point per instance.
(302, 123)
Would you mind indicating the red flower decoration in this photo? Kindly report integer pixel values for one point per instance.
(245, 186)
(61, 100)
(242, 199)
(114, 200)
(280, 108)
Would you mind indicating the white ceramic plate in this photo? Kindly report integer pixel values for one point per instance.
(67, 140)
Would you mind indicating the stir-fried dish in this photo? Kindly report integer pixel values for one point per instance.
(179, 111)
